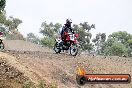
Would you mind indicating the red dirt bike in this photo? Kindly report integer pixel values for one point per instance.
(70, 43)
(1, 42)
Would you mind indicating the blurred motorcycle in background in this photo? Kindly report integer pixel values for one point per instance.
(1, 41)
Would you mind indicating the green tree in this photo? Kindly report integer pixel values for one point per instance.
(32, 38)
(3, 30)
(2, 18)
(117, 49)
(2, 5)
(83, 30)
(16, 22)
(130, 47)
(122, 39)
(121, 36)
(86, 26)
(99, 42)
(13, 33)
(57, 26)
(13, 23)
(76, 28)
(9, 25)
(50, 29)
(47, 41)
(47, 29)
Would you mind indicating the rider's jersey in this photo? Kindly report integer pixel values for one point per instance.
(62, 30)
(65, 29)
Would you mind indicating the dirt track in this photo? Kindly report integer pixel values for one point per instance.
(42, 64)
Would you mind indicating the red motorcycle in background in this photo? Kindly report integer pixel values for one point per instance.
(70, 44)
(1, 42)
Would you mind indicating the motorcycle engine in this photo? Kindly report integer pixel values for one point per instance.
(68, 44)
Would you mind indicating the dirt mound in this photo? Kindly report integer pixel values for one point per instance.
(10, 77)
(62, 68)
(20, 45)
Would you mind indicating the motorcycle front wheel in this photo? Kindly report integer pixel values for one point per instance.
(57, 48)
(2, 46)
(73, 50)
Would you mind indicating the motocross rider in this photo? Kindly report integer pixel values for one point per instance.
(67, 27)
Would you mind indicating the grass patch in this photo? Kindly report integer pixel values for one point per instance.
(28, 84)
(41, 84)
(53, 84)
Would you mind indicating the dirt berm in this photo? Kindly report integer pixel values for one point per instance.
(30, 62)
